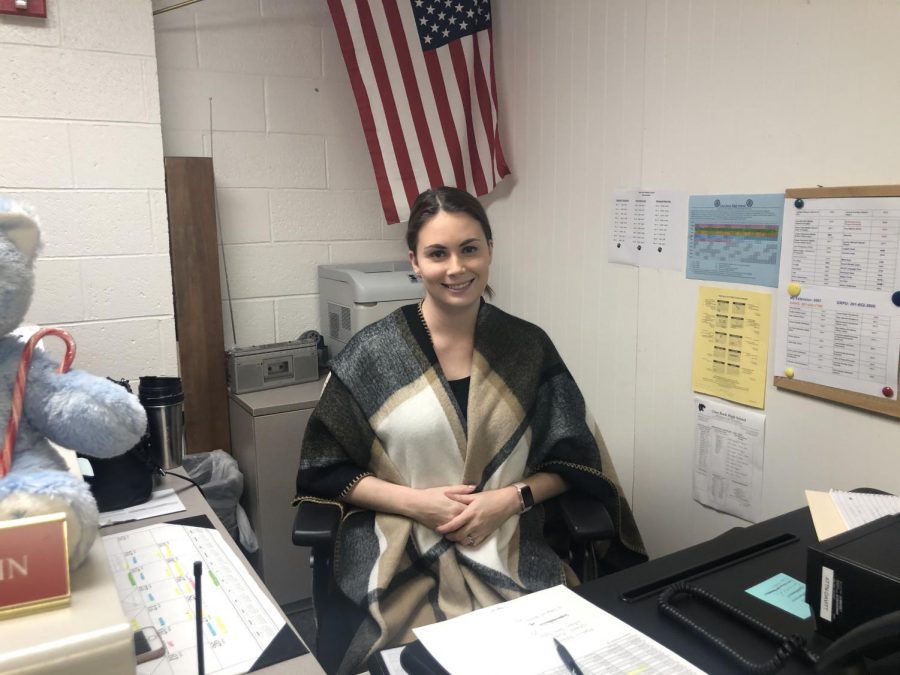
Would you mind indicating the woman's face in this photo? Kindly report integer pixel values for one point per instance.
(453, 257)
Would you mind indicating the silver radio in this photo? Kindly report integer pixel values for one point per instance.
(270, 366)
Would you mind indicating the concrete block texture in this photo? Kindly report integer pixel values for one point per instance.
(34, 154)
(81, 142)
(168, 350)
(294, 180)
(176, 42)
(244, 215)
(58, 292)
(333, 66)
(122, 26)
(310, 106)
(92, 223)
(370, 251)
(41, 80)
(393, 231)
(294, 316)
(227, 11)
(150, 73)
(268, 160)
(126, 349)
(184, 143)
(307, 12)
(349, 164)
(159, 221)
(127, 286)
(25, 31)
(237, 101)
(116, 156)
(271, 46)
(319, 215)
(254, 323)
(265, 270)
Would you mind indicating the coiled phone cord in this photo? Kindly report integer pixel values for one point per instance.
(787, 645)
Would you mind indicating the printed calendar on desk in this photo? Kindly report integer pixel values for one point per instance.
(153, 571)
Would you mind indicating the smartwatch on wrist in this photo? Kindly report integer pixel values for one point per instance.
(526, 499)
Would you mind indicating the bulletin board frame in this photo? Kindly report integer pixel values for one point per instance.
(884, 406)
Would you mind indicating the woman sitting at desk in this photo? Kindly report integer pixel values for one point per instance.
(444, 423)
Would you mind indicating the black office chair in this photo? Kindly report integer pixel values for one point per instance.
(575, 526)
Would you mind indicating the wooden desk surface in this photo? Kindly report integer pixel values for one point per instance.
(196, 505)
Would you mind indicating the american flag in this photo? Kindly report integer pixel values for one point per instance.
(422, 72)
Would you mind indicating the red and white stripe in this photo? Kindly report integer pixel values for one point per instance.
(15, 413)
(429, 118)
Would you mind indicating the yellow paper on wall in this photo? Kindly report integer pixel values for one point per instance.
(731, 345)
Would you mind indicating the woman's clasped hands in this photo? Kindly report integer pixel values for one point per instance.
(464, 516)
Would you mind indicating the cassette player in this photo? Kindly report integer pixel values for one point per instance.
(274, 365)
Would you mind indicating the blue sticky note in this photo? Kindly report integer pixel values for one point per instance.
(785, 592)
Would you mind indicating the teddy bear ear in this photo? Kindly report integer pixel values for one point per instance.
(20, 226)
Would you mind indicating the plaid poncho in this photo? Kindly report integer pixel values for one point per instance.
(388, 411)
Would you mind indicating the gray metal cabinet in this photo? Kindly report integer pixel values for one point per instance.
(266, 430)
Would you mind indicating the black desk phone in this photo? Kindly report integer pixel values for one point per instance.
(872, 648)
(852, 588)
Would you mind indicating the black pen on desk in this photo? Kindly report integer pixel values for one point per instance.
(198, 614)
(567, 658)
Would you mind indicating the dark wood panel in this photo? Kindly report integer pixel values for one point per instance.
(193, 245)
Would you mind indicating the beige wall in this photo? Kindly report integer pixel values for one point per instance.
(703, 97)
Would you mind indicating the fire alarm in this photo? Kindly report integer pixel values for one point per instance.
(33, 8)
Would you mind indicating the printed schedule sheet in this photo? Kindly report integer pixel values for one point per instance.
(152, 566)
(839, 310)
(731, 345)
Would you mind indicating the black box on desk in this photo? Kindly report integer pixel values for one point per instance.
(855, 576)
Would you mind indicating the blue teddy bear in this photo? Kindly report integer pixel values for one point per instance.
(75, 410)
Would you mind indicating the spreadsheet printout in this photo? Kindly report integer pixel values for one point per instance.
(152, 570)
(841, 325)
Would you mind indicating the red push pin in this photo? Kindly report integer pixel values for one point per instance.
(888, 392)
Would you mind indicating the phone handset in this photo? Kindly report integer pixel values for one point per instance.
(863, 650)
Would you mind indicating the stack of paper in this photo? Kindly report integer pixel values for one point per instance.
(161, 503)
(517, 637)
(835, 511)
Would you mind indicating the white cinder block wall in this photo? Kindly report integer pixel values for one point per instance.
(80, 140)
(295, 185)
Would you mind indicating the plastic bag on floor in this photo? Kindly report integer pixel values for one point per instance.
(218, 474)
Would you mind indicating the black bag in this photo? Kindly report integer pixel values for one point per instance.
(124, 480)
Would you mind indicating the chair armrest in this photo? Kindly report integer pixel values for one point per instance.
(315, 523)
(586, 517)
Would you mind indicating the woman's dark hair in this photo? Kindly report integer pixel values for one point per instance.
(452, 200)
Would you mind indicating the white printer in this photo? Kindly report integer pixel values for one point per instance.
(353, 296)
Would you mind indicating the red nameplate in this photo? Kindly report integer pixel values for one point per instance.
(35, 8)
(34, 564)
